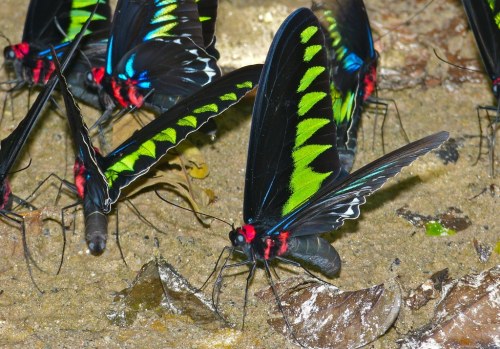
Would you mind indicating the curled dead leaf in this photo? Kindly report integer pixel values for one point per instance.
(323, 316)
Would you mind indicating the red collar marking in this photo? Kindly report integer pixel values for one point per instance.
(248, 231)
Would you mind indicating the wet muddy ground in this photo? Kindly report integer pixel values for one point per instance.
(430, 95)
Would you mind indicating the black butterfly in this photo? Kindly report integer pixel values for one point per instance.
(353, 70)
(99, 179)
(295, 186)
(158, 52)
(53, 23)
(483, 19)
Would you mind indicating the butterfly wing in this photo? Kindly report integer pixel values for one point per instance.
(136, 22)
(290, 152)
(340, 200)
(482, 16)
(52, 22)
(352, 67)
(145, 147)
(207, 10)
(174, 68)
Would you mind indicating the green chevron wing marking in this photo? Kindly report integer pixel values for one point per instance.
(291, 151)
(81, 11)
(145, 147)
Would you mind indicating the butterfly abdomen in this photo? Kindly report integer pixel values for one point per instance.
(96, 227)
(315, 251)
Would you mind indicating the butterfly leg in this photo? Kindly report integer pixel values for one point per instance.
(117, 233)
(278, 301)
(492, 127)
(384, 102)
(64, 182)
(63, 224)
(19, 220)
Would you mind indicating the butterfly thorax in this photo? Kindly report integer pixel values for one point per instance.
(88, 187)
(16, 52)
(125, 93)
(5, 195)
(254, 242)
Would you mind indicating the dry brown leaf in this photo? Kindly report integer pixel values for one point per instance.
(468, 315)
(323, 316)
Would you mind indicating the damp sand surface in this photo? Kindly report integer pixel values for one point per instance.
(430, 95)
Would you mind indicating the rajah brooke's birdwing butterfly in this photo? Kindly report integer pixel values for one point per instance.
(99, 179)
(295, 186)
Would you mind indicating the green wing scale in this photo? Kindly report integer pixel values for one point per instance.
(290, 158)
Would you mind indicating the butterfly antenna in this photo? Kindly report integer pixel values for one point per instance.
(407, 21)
(19, 220)
(455, 65)
(2, 35)
(21, 169)
(278, 302)
(139, 215)
(193, 211)
(63, 225)
(118, 239)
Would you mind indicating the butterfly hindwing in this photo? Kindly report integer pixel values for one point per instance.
(187, 68)
(136, 22)
(340, 200)
(145, 147)
(484, 19)
(291, 151)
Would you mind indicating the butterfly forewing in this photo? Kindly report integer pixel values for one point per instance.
(340, 200)
(484, 19)
(207, 10)
(51, 22)
(290, 152)
(137, 154)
